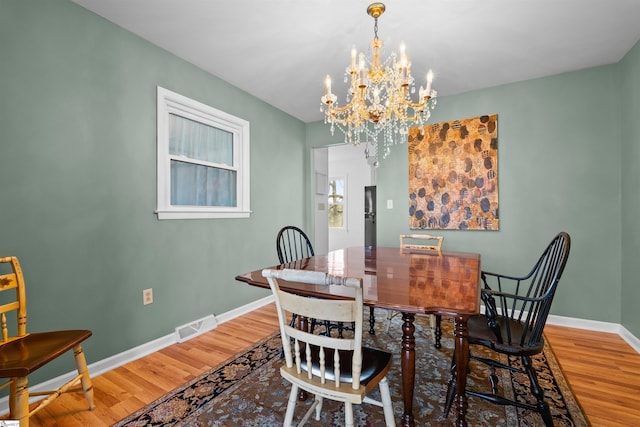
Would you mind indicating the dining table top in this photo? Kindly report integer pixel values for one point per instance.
(405, 280)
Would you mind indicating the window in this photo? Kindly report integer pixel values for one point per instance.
(336, 203)
(203, 160)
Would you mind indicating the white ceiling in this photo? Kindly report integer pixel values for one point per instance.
(280, 51)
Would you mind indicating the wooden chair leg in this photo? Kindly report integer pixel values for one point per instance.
(20, 400)
(385, 397)
(81, 364)
(291, 406)
(451, 389)
(320, 400)
(438, 330)
(372, 321)
(348, 414)
(537, 391)
(12, 398)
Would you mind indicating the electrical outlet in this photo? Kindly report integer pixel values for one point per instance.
(147, 296)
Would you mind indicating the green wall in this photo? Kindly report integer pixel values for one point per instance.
(630, 107)
(78, 192)
(559, 170)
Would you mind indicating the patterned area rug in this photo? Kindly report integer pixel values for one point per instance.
(248, 390)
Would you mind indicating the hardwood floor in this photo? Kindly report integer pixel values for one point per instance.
(603, 370)
(126, 389)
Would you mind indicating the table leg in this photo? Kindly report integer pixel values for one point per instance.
(408, 362)
(462, 363)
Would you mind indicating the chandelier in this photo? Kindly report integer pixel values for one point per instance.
(379, 97)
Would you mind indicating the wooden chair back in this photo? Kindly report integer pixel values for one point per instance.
(517, 307)
(408, 243)
(14, 300)
(292, 244)
(300, 347)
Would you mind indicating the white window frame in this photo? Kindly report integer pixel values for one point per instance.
(172, 103)
(343, 178)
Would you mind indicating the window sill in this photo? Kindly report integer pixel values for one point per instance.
(177, 214)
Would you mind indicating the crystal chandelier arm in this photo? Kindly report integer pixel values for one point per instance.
(347, 114)
(419, 105)
(335, 112)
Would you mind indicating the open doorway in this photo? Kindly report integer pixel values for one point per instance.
(347, 174)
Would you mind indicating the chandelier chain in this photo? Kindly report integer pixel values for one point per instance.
(375, 28)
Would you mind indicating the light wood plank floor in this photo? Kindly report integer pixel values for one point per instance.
(602, 369)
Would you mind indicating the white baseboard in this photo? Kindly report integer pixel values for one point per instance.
(105, 365)
(631, 339)
(594, 325)
(232, 314)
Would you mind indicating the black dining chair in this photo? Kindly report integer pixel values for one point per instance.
(292, 244)
(516, 313)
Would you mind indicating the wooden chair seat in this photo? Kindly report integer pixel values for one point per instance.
(22, 356)
(480, 333)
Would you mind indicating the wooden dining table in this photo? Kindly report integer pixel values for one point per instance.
(412, 282)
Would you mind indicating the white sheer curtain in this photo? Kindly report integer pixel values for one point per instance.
(200, 155)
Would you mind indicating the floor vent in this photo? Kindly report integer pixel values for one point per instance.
(195, 328)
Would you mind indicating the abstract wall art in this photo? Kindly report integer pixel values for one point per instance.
(453, 175)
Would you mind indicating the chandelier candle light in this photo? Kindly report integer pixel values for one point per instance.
(379, 98)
